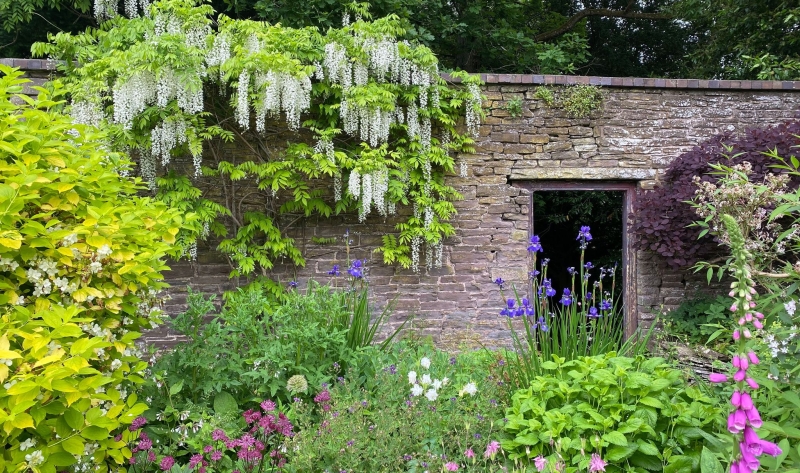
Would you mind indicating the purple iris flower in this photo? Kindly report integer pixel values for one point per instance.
(293, 284)
(535, 245)
(356, 269)
(545, 262)
(566, 299)
(571, 271)
(335, 271)
(526, 308)
(588, 265)
(509, 311)
(593, 314)
(585, 237)
(606, 305)
(499, 282)
(543, 324)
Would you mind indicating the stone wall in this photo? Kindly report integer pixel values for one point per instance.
(641, 126)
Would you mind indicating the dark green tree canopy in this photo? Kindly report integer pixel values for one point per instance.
(652, 38)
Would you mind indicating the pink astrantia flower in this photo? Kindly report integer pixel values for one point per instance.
(540, 463)
(492, 449)
(167, 462)
(451, 466)
(596, 463)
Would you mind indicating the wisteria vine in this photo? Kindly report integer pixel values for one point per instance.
(385, 126)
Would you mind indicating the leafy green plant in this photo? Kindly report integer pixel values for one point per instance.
(420, 409)
(581, 100)
(699, 319)
(81, 256)
(514, 108)
(578, 101)
(546, 95)
(638, 414)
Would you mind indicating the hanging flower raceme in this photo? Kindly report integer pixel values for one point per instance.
(744, 416)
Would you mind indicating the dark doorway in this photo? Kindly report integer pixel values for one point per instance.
(558, 217)
(602, 205)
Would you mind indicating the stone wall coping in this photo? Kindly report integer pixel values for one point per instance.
(635, 82)
(547, 79)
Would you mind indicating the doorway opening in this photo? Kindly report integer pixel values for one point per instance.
(559, 210)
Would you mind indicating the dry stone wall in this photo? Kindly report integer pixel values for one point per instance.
(640, 127)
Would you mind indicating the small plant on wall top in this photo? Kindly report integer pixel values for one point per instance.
(514, 108)
(578, 101)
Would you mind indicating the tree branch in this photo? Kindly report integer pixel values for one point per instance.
(605, 12)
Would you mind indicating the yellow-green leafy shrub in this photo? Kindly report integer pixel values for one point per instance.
(80, 264)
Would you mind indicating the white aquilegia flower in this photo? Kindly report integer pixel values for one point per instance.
(425, 362)
(790, 307)
(431, 394)
(469, 388)
(412, 377)
(445, 381)
(437, 384)
(416, 390)
(426, 380)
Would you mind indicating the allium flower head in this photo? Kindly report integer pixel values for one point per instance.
(297, 384)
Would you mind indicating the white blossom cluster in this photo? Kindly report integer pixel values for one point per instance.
(7, 264)
(147, 168)
(41, 273)
(86, 112)
(473, 106)
(282, 92)
(424, 384)
(371, 188)
(105, 9)
(34, 459)
(337, 187)
(86, 463)
(370, 125)
(325, 146)
(132, 96)
(242, 100)
(167, 136)
(132, 7)
(220, 52)
(415, 243)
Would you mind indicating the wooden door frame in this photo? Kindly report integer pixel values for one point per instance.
(631, 313)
